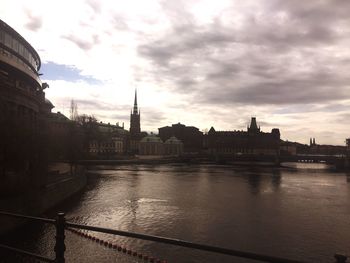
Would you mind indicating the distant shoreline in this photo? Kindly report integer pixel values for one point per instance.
(179, 161)
(246, 161)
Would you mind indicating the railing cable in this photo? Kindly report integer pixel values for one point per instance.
(26, 253)
(187, 244)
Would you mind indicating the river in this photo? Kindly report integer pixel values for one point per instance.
(300, 213)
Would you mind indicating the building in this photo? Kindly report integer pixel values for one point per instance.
(250, 142)
(111, 146)
(59, 130)
(190, 136)
(21, 92)
(312, 142)
(22, 107)
(173, 146)
(135, 127)
(288, 148)
(347, 154)
(108, 140)
(151, 145)
(324, 149)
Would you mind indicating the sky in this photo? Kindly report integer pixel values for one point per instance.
(199, 62)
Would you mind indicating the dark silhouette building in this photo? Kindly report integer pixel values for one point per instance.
(253, 128)
(324, 149)
(22, 112)
(312, 141)
(253, 141)
(190, 136)
(135, 127)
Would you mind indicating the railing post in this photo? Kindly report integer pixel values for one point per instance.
(60, 247)
(340, 258)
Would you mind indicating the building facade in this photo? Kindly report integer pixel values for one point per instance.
(253, 141)
(59, 130)
(108, 140)
(190, 136)
(173, 147)
(151, 145)
(22, 107)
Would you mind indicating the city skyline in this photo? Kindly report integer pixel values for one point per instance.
(197, 62)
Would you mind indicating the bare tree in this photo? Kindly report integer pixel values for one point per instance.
(73, 110)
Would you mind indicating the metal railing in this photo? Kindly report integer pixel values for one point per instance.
(59, 242)
(61, 224)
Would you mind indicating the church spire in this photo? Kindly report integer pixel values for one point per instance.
(253, 126)
(135, 103)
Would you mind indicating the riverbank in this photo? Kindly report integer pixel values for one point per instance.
(62, 184)
(188, 159)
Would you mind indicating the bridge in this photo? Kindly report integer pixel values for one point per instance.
(314, 158)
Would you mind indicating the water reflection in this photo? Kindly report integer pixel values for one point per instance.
(276, 179)
(262, 181)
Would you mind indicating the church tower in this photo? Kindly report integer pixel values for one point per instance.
(253, 128)
(135, 127)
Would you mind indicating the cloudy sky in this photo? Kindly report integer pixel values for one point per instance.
(202, 63)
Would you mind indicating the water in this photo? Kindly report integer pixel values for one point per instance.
(302, 214)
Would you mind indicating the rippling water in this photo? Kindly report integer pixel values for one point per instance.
(299, 213)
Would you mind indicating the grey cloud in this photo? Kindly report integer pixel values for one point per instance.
(122, 116)
(263, 124)
(342, 118)
(279, 92)
(34, 23)
(151, 117)
(262, 62)
(336, 107)
(317, 12)
(84, 44)
(119, 22)
(95, 5)
(113, 118)
(185, 39)
(101, 106)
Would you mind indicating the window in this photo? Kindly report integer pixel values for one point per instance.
(2, 37)
(15, 45)
(26, 54)
(8, 40)
(20, 49)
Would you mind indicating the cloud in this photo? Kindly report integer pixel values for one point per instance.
(264, 61)
(204, 62)
(83, 43)
(35, 22)
(94, 5)
(119, 22)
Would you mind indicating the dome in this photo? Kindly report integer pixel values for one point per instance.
(49, 103)
(173, 140)
(151, 138)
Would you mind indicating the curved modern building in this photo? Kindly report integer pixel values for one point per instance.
(22, 110)
(21, 90)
